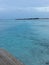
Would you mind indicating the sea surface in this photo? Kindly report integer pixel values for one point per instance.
(27, 40)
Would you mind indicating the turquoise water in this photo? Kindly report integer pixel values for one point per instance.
(27, 40)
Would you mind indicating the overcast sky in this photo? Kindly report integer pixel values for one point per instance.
(23, 8)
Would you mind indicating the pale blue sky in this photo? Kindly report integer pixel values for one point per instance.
(23, 8)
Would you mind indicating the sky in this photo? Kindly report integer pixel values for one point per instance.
(12, 9)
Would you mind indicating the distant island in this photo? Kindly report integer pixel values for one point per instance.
(31, 18)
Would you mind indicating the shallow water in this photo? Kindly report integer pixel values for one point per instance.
(27, 40)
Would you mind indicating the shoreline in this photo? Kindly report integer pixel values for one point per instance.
(7, 58)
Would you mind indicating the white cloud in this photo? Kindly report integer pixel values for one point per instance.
(42, 9)
(26, 9)
(35, 9)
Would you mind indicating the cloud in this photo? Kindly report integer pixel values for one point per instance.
(25, 9)
(35, 9)
(42, 9)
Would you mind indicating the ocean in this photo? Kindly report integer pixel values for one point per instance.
(27, 40)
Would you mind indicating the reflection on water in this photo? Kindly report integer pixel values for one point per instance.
(27, 40)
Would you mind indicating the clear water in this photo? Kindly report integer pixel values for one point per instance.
(27, 40)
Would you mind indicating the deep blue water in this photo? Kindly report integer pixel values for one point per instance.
(27, 40)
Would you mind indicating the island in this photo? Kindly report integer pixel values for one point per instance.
(30, 18)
